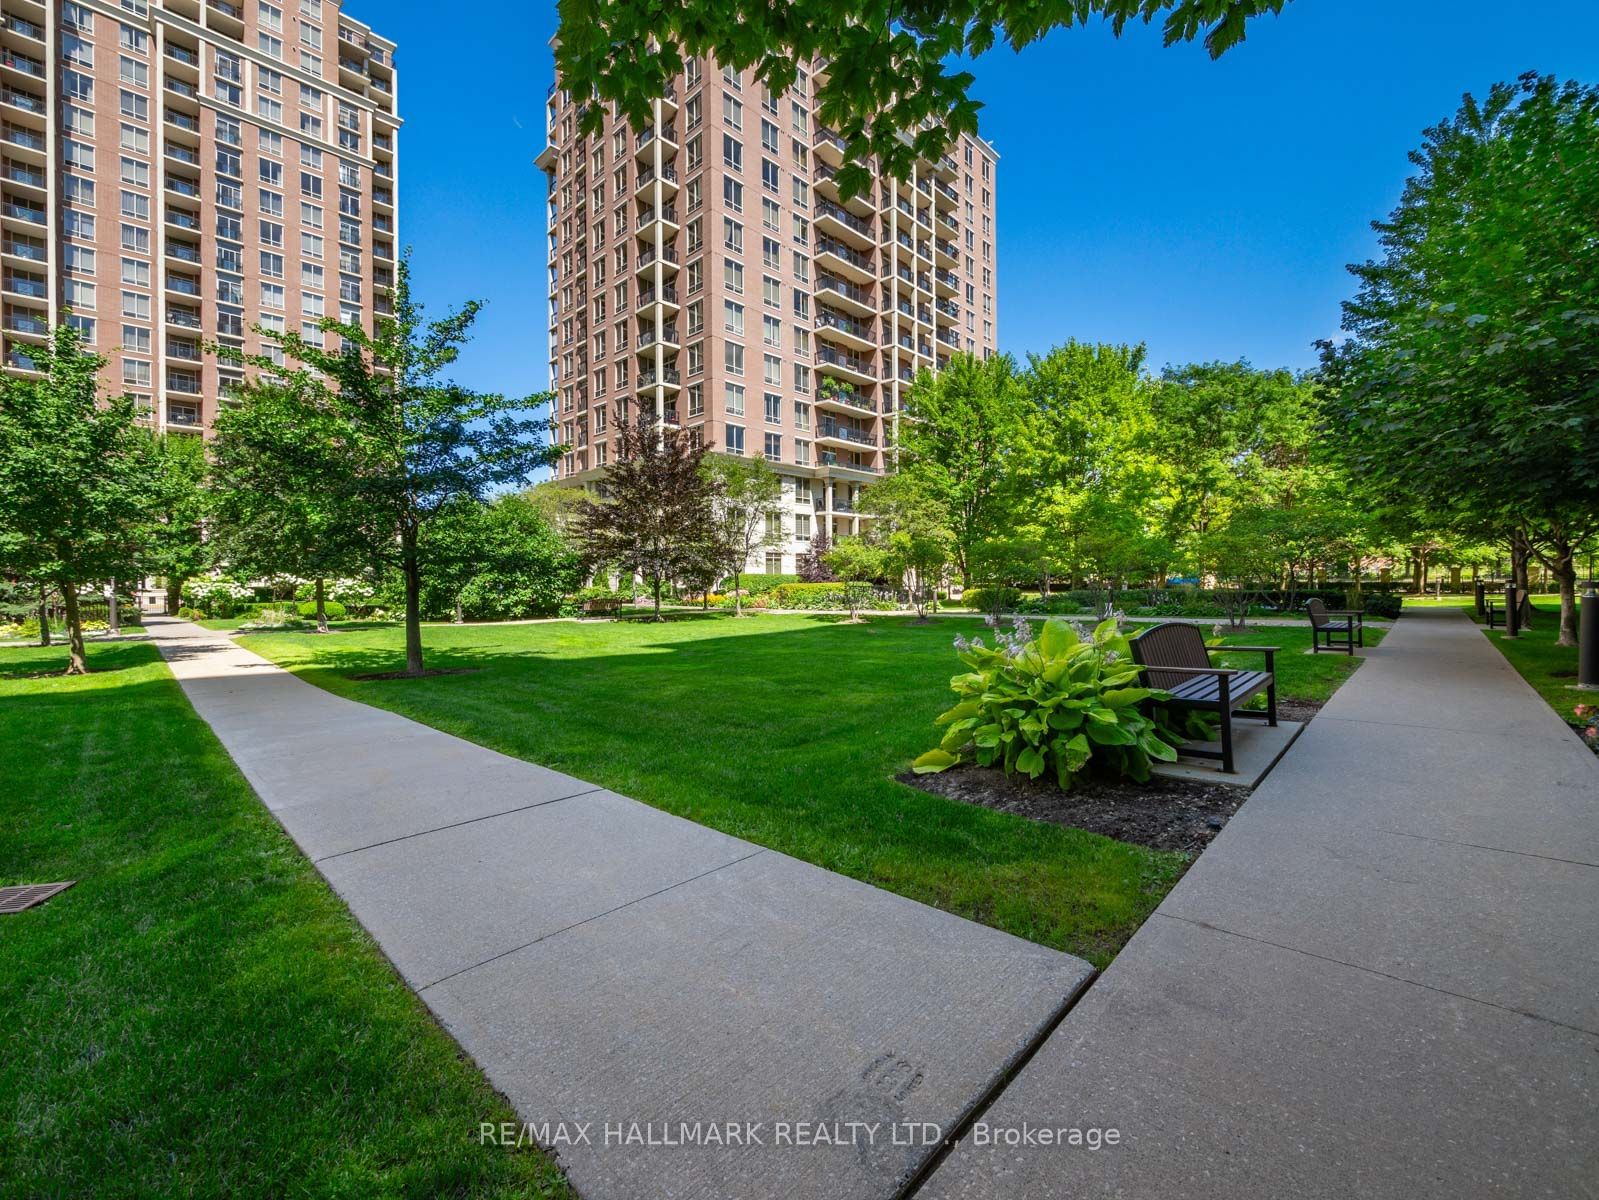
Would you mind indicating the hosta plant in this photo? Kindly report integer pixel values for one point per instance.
(1055, 705)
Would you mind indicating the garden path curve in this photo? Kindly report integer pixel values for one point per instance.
(618, 971)
(1381, 979)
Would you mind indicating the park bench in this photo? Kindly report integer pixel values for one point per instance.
(1334, 635)
(1176, 660)
(602, 606)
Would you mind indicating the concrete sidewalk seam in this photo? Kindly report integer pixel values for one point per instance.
(1475, 732)
(597, 916)
(1338, 962)
(1570, 862)
(458, 824)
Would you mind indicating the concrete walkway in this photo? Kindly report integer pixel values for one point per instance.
(620, 973)
(1382, 980)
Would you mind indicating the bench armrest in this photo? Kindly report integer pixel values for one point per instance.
(1219, 672)
(1269, 651)
(1346, 612)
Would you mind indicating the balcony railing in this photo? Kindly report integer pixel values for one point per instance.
(667, 212)
(832, 429)
(18, 323)
(22, 62)
(17, 173)
(832, 283)
(183, 120)
(26, 249)
(184, 251)
(183, 220)
(23, 212)
(24, 286)
(827, 137)
(827, 245)
(650, 336)
(648, 295)
(852, 362)
(25, 27)
(183, 414)
(648, 378)
(828, 319)
(183, 318)
(826, 208)
(647, 175)
(182, 88)
(18, 136)
(669, 254)
(183, 381)
(20, 99)
(177, 52)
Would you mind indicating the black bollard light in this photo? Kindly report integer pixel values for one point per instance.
(1512, 611)
(1588, 637)
(1480, 595)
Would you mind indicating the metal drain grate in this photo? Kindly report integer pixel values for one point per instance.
(15, 899)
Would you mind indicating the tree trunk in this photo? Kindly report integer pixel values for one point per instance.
(77, 661)
(44, 615)
(174, 594)
(1520, 575)
(738, 600)
(1561, 562)
(412, 569)
(321, 606)
(657, 593)
(113, 624)
(458, 617)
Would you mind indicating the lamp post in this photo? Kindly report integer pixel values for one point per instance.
(1512, 611)
(1588, 638)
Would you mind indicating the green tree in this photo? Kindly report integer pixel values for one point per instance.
(408, 442)
(497, 561)
(654, 515)
(963, 429)
(76, 475)
(890, 69)
(277, 505)
(909, 529)
(746, 492)
(857, 563)
(174, 540)
(1469, 378)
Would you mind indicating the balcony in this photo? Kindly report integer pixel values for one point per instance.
(947, 311)
(183, 154)
(666, 296)
(32, 249)
(943, 194)
(835, 256)
(183, 187)
(648, 177)
(946, 250)
(177, 53)
(18, 360)
(24, 27)
(667, 256)
(829, 146)
(826, 183)
(834, 431)
(186, 416)
(644, 144)
(850, 297)
(16, 135)
(836, 396)
(838, 327)
(666, 337)
(183, 219)
(183, 121)
(665, 215)
(183, 285)
(26, 324)
(946, 282)
(183, 318)
(184, 250)
(29, 177)
(184, 349)
(23, 64)
(647, 378)
(851, 366)
(179, 87)
(186, 382)
(26, 101)
(838, 222)
(23, 212)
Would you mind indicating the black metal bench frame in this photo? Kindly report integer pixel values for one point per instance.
(1175, 659)
(1324, 630)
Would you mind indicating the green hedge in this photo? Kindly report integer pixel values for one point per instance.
(332, 608)
(982, 599)
(760, 585)
(821, 595)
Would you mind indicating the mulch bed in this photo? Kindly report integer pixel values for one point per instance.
(1163, 814)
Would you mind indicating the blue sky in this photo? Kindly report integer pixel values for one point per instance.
(1145, 194)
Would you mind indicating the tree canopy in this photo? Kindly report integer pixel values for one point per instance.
(889, 67)
(1470, 376)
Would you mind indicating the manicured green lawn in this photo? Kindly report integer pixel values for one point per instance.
(1551, 669)
(1300, 676)
(786, 730)
(200, 1015)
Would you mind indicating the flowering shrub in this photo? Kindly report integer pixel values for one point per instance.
(1588, 717)
(216, 597)
(1053, 704)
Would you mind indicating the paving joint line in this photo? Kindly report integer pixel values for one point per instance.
(1574, 862)
(597, 916)
(1504, 1008)
(405, 837)
(1494, 733)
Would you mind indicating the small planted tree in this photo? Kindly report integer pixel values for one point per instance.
(655, 513)
(277, 506)
(77, 474)
(746, 492)
(403, 442)
(857, 563)
(812, 565)
(911, 532)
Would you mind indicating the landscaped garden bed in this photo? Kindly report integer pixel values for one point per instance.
(1162, 813)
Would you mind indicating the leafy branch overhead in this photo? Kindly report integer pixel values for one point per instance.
(889, 65)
